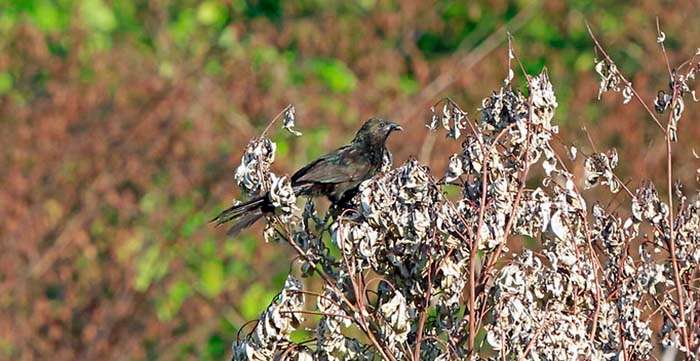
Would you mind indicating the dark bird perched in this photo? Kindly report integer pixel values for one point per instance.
(335, 175)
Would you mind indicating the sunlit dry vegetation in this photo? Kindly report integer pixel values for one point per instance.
(410, 273)
(121, 123)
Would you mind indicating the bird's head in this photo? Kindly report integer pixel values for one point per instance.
(375, 131)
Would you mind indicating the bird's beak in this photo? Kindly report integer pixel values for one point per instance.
(394, 126)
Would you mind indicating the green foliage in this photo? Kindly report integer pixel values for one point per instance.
(313, 146)
(334, 74)
(271, 9)
(217, 347)
(212, 277)
(195, 221)
(5, 82)
(255, 300)
(211, 13)
(408, 84)
(176, 295)
(98, 15)
(183, 26)
(299, 336)
(150, 202)
(151, 266)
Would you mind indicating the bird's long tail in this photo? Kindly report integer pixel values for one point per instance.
(243, 215)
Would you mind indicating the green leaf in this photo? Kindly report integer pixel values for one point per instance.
(183, 28)
(282, 144)
(262, 55)
(149, 202)
(216, 347)
(47, 17)
(208, 248)
(408, 84)
(178, 292)
(254, 301)
(212, 277)
(183, 206)
(335, 74)
(151, 266)
(98, 16)
(213, 67)
(584, 62)
(313, 142)
(5, 82)
(298, 336)
(228, 38)
(211, 13)
(192, 224)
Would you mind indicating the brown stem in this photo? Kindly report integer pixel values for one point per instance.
(423, 315)
(532, 341)
(671, 240)
(474, 250)
(669, 178)
(476, 239)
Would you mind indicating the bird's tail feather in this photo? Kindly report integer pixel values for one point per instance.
(240, 210)
(244, 222)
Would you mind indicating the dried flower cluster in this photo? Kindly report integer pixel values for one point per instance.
(410, 273)
(253, 175)
(452, 117)
(612, 80)
(678, 90)
(273, 329)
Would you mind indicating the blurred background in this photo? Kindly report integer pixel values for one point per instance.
(121, 122)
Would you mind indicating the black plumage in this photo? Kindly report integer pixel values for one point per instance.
(335, 175)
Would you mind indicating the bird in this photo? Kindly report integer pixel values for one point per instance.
(336, 175)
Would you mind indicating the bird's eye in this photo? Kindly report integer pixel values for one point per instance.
(382, 124)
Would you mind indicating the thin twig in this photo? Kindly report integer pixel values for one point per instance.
(423, 314)
(279, 115)
(627, 82)
(443, 81)
(669, 178)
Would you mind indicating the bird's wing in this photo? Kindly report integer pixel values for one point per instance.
(344, 165)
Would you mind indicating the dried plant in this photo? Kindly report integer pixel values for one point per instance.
(410, 273)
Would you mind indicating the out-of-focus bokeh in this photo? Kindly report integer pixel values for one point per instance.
(121, 122)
